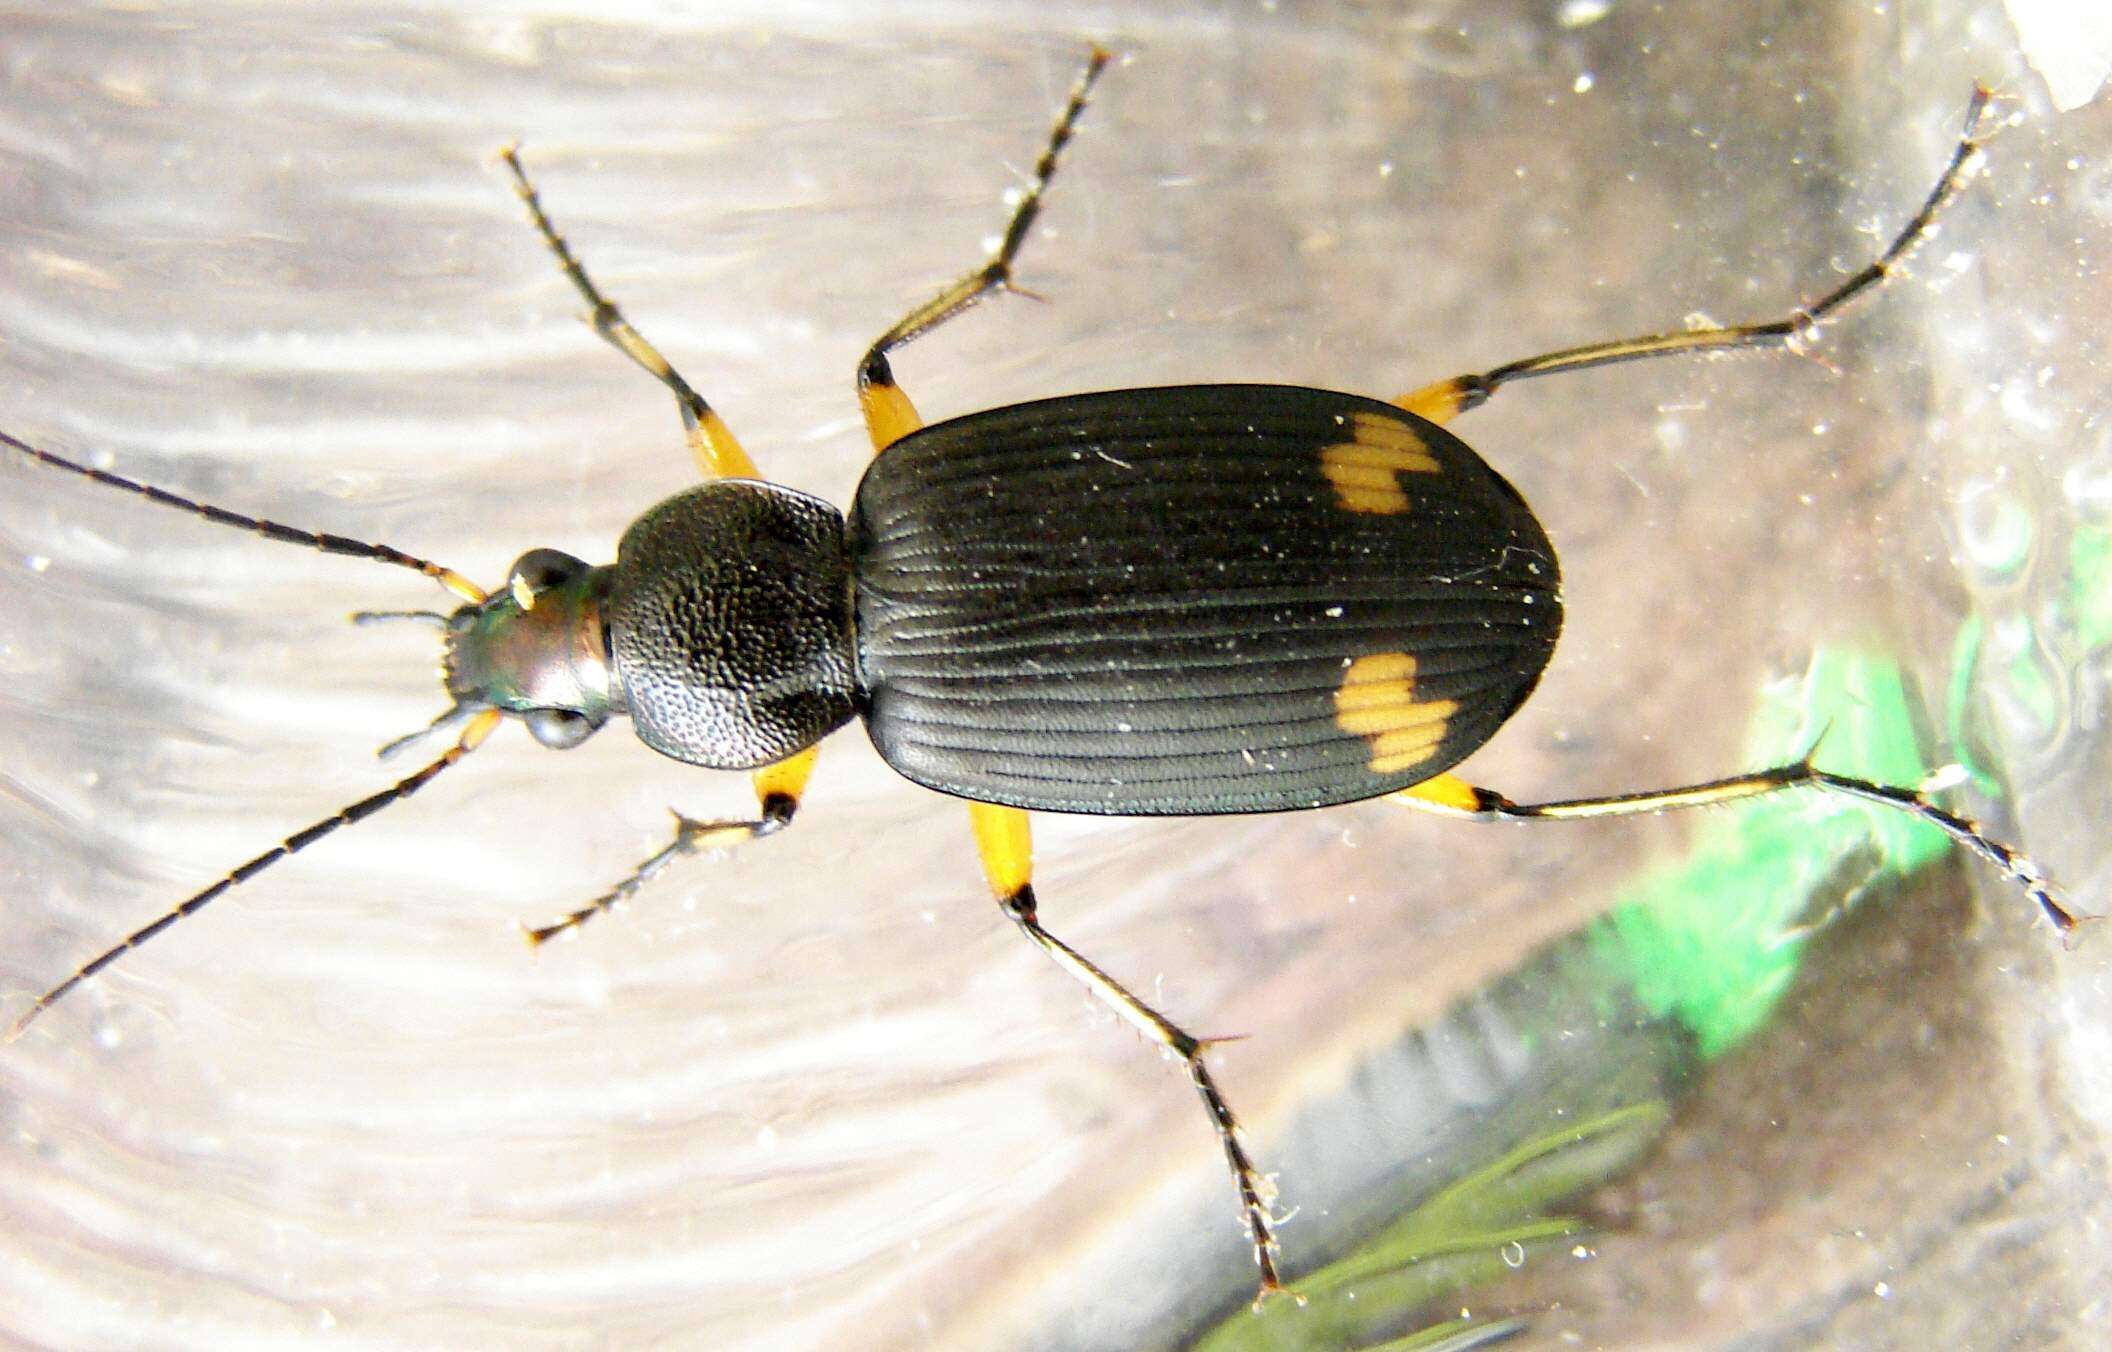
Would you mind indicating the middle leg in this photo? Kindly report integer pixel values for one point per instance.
(889, 416)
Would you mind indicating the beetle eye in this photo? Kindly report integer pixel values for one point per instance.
(539, 570)
(559, 729)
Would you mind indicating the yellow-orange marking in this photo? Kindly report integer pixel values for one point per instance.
(1377, 702)
(1445, 793)
(1440, 403)
(787, 777)
(713, 447)
(889, 416)
(1365, 469)
(1005, 839)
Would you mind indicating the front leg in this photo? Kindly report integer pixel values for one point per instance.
(711, 443)
(777, 791)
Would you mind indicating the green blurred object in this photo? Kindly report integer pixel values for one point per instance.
(1714, 940)
(1706, 946)
(1470, 1232)
(2090, 585)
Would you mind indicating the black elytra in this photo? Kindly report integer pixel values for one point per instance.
(1146, 601)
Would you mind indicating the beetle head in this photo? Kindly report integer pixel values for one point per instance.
(538, 649)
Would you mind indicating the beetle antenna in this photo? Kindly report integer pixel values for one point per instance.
(479, 728)
(270, 530)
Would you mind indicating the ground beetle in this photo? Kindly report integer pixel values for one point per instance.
(1200, 599)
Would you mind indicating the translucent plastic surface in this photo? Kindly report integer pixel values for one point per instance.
(821, 1095)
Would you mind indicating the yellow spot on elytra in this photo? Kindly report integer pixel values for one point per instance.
(1377, 702)
(1365, 469)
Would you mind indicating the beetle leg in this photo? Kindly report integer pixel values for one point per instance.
(1447, 398)
(711, 444)
(889, 416)
(691, 837)
(1003, 836)
(1452, 796)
